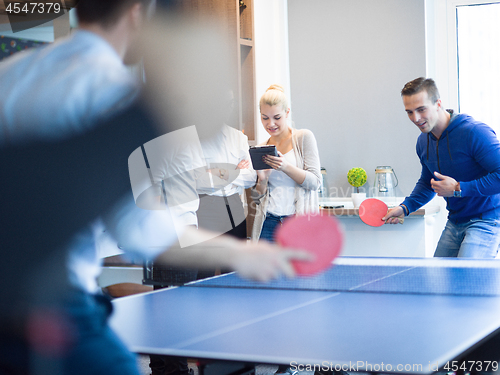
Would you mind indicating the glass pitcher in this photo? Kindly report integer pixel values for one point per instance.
(385, 184)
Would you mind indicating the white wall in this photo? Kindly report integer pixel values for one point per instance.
(440, 51)
(348, 63)
(271, 51)
(442, 46)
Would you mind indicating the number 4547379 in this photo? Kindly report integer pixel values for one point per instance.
(471, 366)
(33, 8)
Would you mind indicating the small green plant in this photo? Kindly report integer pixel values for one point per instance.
(356, 177)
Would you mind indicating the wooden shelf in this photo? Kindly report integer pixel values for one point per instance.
(236, 22)
(246, 20)
(246, 42)
(247, 70)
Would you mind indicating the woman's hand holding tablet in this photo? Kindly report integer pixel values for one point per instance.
(258, 152)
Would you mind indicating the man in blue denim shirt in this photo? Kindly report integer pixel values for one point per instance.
(460, 160)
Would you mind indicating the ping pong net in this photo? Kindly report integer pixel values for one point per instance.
(440, 276)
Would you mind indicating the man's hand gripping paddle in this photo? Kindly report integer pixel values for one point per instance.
(371, 212)
(318, 235)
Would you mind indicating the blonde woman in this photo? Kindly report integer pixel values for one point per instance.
(290, 185)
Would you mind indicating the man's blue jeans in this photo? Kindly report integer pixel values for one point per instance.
(92, 346)
(477, 238)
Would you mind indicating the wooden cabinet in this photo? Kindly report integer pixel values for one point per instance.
(235, 20)
(246, 66)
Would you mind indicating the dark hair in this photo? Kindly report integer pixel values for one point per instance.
(106, 12)
(421, 84)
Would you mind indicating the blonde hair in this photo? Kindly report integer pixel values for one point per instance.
(274, 95)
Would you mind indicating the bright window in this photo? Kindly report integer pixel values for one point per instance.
(478, 41)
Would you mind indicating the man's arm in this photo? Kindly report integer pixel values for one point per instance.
(247, 176)
(485, 149)
(422, 193)
(444, 186)
(260, 261)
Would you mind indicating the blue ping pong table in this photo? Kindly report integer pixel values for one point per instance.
(384, 315)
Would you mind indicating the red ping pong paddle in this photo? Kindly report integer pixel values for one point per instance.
(318, 235)
(371, 212)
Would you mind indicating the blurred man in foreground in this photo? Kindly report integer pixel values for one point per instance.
(58, 182)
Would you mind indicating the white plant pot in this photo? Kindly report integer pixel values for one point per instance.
(357, 198)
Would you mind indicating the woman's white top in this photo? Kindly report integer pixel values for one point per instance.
(305, 150)
(282, 190)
